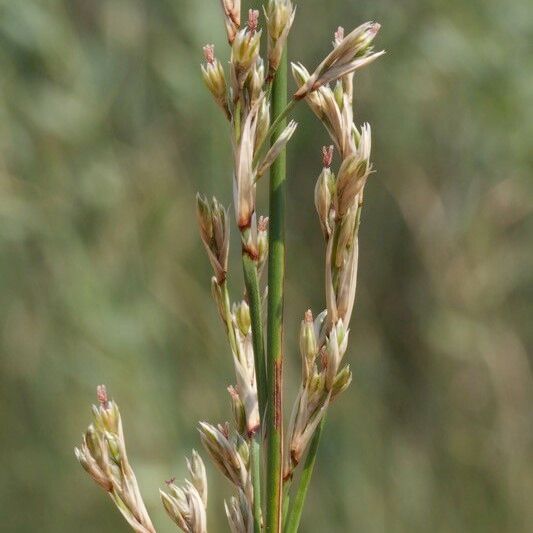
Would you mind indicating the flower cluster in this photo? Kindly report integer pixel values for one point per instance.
(186, 505)
(103, 455)
(243, 94)
(338, 201)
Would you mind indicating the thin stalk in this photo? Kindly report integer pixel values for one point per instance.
(256, 479)
(227, 318)
(295, 513)
(274, 127)
(276, 274)
(286, 501)
(279, 119)
(251, 280)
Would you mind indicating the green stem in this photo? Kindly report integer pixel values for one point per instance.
(227, 318)
(295, 513)
(256, 479)
(286, 500)
(251, 280)
(276, 274)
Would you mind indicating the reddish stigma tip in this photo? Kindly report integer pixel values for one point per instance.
(209, 53)
(327, 156)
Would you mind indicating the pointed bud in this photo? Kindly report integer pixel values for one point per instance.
(232, 17)
(237, 407)
(242, 316)
(332, 360)
(244, 55)
(239, 514)
(224, 452)
(214, 78)
(342, 382)
(263, 123)
(262, 240)
(351, 53)
(214, 231)
(277, 147)
(354, 173)
(203, 214)
(198, 475)
(308, 346)
(185, 507)
(256, 80)
(324, 200)
(279, 15)
(346, 235)
(338, 92)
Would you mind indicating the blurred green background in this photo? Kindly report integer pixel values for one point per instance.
(106, 133)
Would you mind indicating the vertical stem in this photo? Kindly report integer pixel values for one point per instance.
(276, 274)
(256, 479)
(251, 280)
(295, 513)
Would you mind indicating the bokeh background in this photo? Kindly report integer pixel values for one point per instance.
(106, 133)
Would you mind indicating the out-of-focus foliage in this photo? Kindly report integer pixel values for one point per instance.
(106, 133)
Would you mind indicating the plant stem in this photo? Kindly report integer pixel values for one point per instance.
(227, 318)
(286, 501)
(277, 124)
(256, 479)
(276, 274)
(251, 280)
(295, 513)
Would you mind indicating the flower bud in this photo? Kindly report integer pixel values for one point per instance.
(354, 173)
(332, 360)
(232, 17)
(203, 214)
(262, 240)
(279, 15)
(263, 123)
(225, 452)
(113, 447)
(338, 92)
(256, 79)
(239, 514)
(245, 51)
(214, 78)
(185, 507)
(239, 413)
(351, 53)
(308, 346)
(276, 149)
(242, 317)
(198, 475)
(323, 199)
(346, 235)
(214, 231)
(342, 382)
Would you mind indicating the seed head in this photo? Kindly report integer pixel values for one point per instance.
(350, 53)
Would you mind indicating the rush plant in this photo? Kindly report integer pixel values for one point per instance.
(258, 453)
